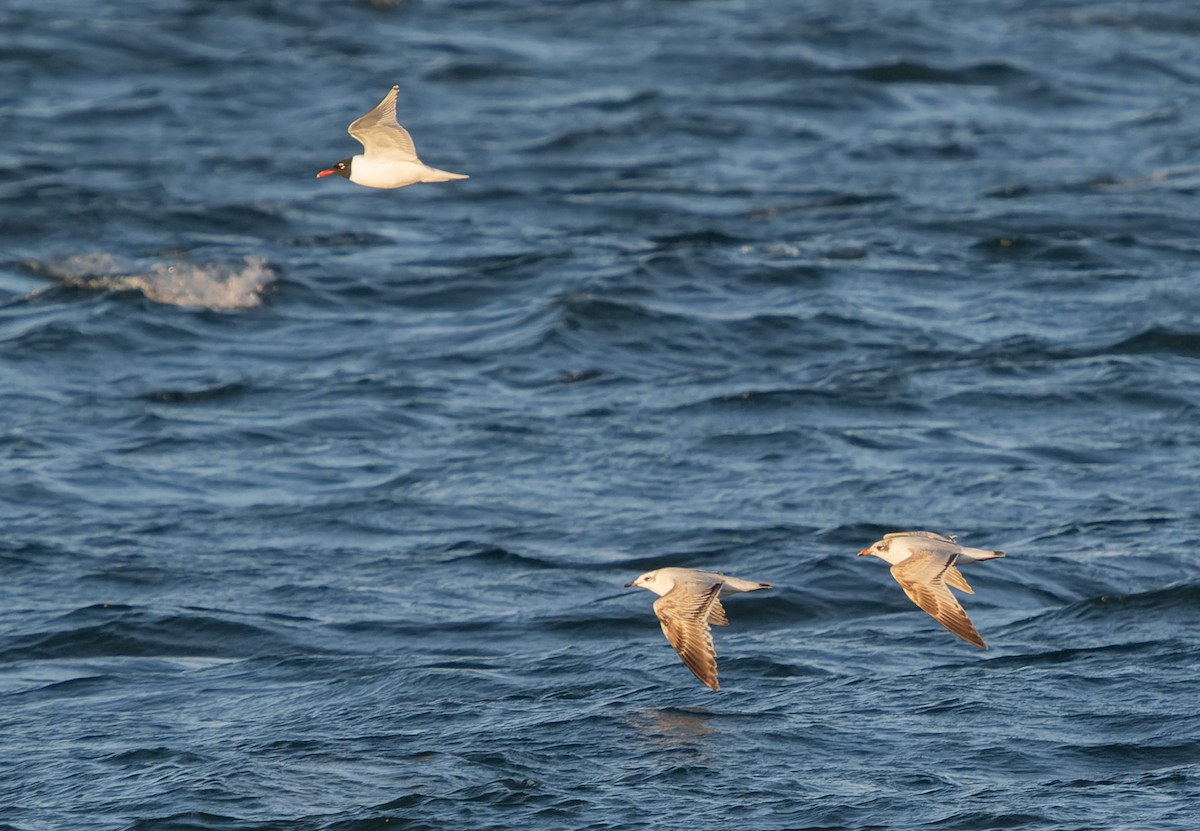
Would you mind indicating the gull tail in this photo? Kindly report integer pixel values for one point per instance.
(737, 584)
(432, 174)
(979, 554)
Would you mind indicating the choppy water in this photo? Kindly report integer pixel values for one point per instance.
(313, 497)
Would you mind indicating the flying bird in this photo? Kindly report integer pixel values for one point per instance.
(688, 602)
(389, 159)
(926, 567)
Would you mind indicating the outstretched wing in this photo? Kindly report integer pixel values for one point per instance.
(683, 613)
(923, 578)
(927, 541)
(380, 134)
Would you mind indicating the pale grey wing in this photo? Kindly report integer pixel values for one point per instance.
(923, 578)
(683, 613)
(380, 134)
(928, 535)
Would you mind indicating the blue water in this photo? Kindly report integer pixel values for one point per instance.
(313, 498)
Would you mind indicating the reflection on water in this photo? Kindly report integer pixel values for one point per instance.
(674, 728)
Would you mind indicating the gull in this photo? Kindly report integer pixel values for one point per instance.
(688, 602)
(926, 566)
(389, 159)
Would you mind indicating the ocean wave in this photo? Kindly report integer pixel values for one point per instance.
(491, 555)
(1161, 340)
(1155, 623)
(201, 395)
(129, 632)
(1171, 602)
(920, 72)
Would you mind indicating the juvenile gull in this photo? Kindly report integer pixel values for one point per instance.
(389, 159)
(688, 602)
(926, 566)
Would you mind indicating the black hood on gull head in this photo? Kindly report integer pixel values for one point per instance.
(342, 168)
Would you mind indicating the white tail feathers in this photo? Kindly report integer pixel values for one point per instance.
(979, 554)
(736, 584)
(432, 174)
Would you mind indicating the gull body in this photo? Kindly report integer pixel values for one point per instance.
(688, 601)
(926, 566)
(389, 158)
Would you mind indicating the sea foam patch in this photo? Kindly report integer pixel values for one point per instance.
(239, 284)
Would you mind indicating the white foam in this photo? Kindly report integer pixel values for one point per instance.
(208, 285)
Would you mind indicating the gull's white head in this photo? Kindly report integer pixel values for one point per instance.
(655, 581)
(894, 548)
(879, 549)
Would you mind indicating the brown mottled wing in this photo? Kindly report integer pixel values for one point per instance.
(923, 578)
(684, 612)
(716, 615)
(954, 578)
(380, 134)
